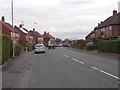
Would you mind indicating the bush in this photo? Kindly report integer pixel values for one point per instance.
(17, 48)
(90, 47)
(6, 48)
(30, 47)
(81, 46)
(109, 46)
(93, 45)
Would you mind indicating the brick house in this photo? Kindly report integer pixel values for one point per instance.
(46, 37)
(6, 27)
(30, 36)
(37, 37)
(16, 35)
(106, 29)
(7, 30)
(110, 27)
(22, 33)
(90, 36)
(34, 36)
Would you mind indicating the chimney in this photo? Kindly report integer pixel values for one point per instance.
(114, 12)
(20, 26)
(98, 24)
(3, 18)
(44, 32)
(33, 29)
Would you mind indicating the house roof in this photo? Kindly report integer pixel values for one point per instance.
(66, 40)
(30, 33)
(47, 35)
(17, 29)
(112, 20)
(23, 30)
(7, 25)
(37, 34)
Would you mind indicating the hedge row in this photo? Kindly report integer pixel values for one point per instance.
(109, 46)
(6, 48)
(90, 47)
(18, 48)
(30, 47)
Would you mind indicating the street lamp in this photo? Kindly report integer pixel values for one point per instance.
(34, 33)
(13, 54)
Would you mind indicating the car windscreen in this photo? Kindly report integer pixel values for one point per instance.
(38, 46)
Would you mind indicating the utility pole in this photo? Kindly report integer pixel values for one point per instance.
(13, 53)
(34, 33)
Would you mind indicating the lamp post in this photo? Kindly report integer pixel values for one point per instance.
(13, 53)
(34, 33)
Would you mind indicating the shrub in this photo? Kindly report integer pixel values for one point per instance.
(109, 46)
(17, 48)
(30, 47)
(81, 46)
(6, 48)
(90, 47)
(93, 45)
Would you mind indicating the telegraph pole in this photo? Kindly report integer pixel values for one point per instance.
(13, 53)
(34, 33)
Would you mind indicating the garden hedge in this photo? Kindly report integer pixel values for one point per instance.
(112, 46)
(6, 48)
(18, 48)
(30, 47)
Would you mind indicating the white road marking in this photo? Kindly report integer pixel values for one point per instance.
(74, 59)
(109, 74)
(78, 61)
(95, 68)
(106, 73)
(81, 62)
(66, 56)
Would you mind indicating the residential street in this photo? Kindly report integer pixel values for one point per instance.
(61, 68)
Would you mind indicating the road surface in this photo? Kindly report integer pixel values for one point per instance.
(64, 68)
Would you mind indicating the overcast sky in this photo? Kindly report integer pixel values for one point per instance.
(62, 18)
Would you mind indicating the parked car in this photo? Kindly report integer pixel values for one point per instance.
(66, 44)
(59, 45)
(39, 48)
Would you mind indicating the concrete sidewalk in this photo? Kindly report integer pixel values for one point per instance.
(13, 69)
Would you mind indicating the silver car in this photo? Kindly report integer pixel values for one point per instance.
(39, 48)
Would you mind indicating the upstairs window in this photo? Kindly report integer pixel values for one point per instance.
(110, 27)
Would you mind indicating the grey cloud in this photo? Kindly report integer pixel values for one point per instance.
(68, 18)
(119, 6)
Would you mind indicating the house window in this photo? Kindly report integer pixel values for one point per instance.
(27, 37)
(31, 37)
(110, 27)
(106, 28)
(13, 34)
(103, 29)
(17, 35)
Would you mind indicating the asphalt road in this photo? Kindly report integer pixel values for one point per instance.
(66, 68)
